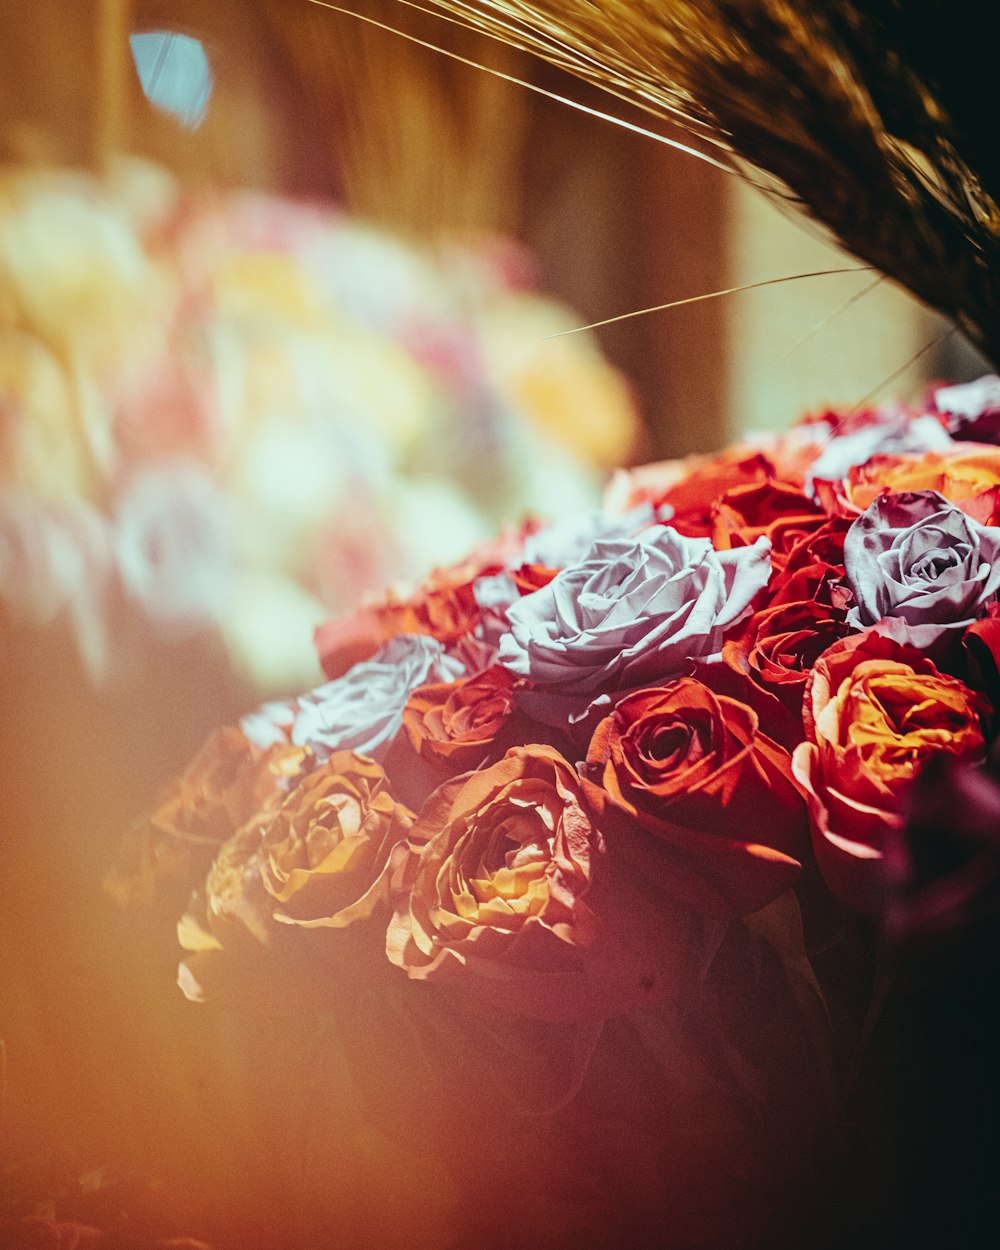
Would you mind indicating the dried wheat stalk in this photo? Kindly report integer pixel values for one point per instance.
(877, 118)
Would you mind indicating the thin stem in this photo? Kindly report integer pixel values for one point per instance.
(520, 82)
(697, 299)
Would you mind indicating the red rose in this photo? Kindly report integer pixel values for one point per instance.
(824, 545)
(708, 480)
(777, 510)
(531, 577)
(712, 813)
(689, 487)
(509, 897)
(780, 644)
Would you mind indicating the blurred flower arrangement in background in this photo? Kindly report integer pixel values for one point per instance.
(236, 412)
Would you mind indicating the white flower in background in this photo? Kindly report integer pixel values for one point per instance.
(377, 280)
(540, 476)
(436, 524)
(54, 561)
(268, 631)
(174, 545)
(41, 450)
(287, 482)
(557, 382)
(75, 269)
(269, 394)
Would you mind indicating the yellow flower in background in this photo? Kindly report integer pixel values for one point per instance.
(74, 270)
(268, 286)
(41, 450)
(563, 385)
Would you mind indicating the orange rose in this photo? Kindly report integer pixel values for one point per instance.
(874, 711)
(507, 895)
(961, 478)
(325, 850)
(227, 783)
(453, 724)
(319, 863)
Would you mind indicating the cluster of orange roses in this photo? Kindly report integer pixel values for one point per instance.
(541, 778)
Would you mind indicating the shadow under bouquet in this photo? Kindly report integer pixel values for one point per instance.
(615, 878)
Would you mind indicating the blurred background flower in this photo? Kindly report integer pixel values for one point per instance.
(266, 398)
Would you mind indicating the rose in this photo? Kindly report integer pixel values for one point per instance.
(981, 644)
(874, 711)
(318, 862)
(776, 510)
(229, 782)
(233, 908)
(507, 895)
(712, 813)
(634, 610)
(825, 546)
(363, 710)
(236, 951)
(779, 645)
(918, 559)
(325, 849)
(688, 487)
(454, 724)
(968, 478)
(568, 540)
(972, 409)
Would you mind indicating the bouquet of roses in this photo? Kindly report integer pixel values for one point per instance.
(617, 813)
